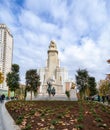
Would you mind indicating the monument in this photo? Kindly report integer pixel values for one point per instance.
(108, 75)
(53, 72)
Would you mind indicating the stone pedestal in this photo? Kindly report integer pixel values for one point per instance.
(73, 95)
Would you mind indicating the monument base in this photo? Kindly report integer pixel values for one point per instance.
(60, 97)
(57, 96)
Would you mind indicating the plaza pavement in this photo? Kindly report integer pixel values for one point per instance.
(6, 121)
(1, 120)
(55, 97)
(60, 97)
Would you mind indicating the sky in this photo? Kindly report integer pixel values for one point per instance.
(80, 28)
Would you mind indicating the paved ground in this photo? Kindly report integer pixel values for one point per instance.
(1, 120)
(62, 97)
(56, 97)
(6, 121)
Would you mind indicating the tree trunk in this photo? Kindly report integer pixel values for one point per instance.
(31, 94)
(78, 96)
(8, 92)
(25, 94)
(14, 94)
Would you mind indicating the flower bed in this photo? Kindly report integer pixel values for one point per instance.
(59, 115)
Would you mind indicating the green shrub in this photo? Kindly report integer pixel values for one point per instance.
(80, 118)
(98, 119)
(32, 112)
(19, 120)
(54, 121)
(80, 127)
(60, 116)
(67, 93)
(28, 127)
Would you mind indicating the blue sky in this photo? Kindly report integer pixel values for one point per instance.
(80, 28)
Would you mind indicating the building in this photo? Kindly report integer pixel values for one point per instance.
(6, 53)
(108, 75)
(53, 73)
(108, 61)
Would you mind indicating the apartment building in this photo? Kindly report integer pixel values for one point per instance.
(6, 53)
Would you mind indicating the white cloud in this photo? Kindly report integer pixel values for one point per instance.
(6, 14)
(80, 28)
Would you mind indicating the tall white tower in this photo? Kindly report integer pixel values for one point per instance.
(53, 72)
(52, 61)
(6, 53)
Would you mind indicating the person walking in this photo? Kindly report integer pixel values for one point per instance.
(103, 98)
(0, 98)
(98, 98)
(108, 99)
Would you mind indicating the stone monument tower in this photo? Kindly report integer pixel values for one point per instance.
(52, 61)
(53, 72)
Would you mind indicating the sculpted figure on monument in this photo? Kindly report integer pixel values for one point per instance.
(53, 91)
(49, 88)
(52, 44)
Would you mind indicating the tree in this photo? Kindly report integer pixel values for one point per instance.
(92, 86)
(13, 79)
(15, 68)
(21, 92)
(32, 81)
(104, 87)
(67, 92)
(82, 82)
(1, 77)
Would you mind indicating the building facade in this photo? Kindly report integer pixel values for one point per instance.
(6, 53)
(108, 75)
(53, 72)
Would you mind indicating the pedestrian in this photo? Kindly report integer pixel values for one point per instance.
(108, 99)
(2, 97)
(103, 98)
(98, 98)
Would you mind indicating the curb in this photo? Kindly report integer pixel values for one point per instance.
(8, 122)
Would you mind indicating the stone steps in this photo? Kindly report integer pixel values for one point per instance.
(62, 97)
